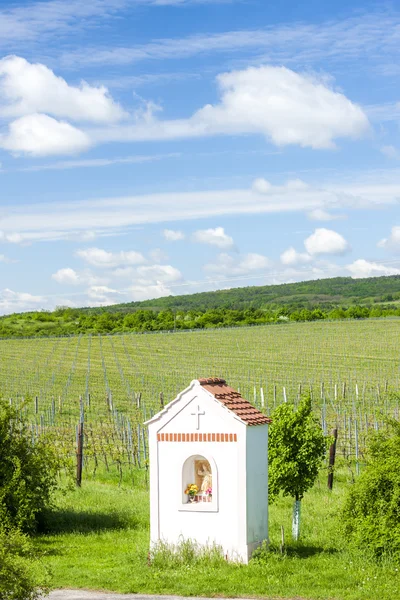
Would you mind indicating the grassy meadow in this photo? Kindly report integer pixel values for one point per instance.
(98, 538)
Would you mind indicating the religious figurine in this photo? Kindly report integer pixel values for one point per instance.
(206, 475)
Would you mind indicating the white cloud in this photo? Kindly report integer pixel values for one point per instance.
(393, 241)
(340, 40)
(67, 276)
(363, 268)
(95, 162)
(102, 295)
(148, 292)
(262, 186)
(54, 18)
(25, 239)
(326, 241)
(11, 301)
(108, 216)
(27, 88)
(41, 135)
(292, 257)
(158, 255)
(173, 236)
(285, 106)
(288, 107)
(320, 214)
(11, 238)
(390, 152)
(243, 265)
(159, 273)
(97, 257)
(214, 237)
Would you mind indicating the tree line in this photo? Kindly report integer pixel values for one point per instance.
(69, 321)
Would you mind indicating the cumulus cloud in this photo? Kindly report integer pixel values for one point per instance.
(173, 235)
(243, 265)
(98, 257)
(41, 135)
(153, 281)
(393, 241)
(326, 241)
(364, 268)
(261, 186)
(11, 301)
(286, 107)
(214, 237)
(36, 102)
(11, 238)
(66, 276)
(159, 273)
(291, 257)
(102, 295)
(158, 255)
(149, 292)
(27, 88)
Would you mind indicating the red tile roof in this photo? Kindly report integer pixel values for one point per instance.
(234, 401)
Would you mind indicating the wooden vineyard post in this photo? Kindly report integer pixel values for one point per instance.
(79, 455)
(332, 455)
(161, 400)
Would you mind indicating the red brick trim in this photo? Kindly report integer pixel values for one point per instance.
(197, 437)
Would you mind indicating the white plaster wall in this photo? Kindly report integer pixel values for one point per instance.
(257, 485)
(169, 519)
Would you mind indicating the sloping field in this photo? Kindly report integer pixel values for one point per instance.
(353, 367)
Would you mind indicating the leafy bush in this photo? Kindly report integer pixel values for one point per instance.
(28, 473)
(371, 515)
(21, 576)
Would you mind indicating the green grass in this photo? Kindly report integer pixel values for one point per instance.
(98, 538)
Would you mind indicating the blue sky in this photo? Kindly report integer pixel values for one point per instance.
(156, 147)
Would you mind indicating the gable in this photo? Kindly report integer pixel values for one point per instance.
(201, 413)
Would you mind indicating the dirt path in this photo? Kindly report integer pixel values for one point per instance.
(88, 595)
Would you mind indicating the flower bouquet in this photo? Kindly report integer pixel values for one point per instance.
(191, 491)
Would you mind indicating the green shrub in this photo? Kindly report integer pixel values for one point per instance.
(28, 473)
(371, 515)
(21, 576)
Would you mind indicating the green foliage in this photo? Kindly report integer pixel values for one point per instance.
(297, 446)
(371, 515)
(21, 576)
(28, 473)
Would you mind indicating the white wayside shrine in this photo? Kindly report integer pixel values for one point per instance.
(209, 470)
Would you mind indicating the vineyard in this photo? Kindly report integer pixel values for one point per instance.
(113, 383)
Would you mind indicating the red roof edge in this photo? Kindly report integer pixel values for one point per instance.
(234, 401)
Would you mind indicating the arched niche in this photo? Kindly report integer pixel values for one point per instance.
(202, 471)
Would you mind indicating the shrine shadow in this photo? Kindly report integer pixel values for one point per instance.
(301, 551)
(81, 521)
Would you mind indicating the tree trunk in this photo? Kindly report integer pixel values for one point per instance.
(296, 519)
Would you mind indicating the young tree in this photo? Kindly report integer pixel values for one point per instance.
(297, 446)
